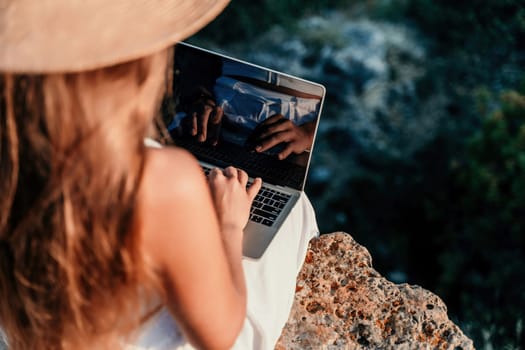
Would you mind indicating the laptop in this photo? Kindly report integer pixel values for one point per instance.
(257, 104)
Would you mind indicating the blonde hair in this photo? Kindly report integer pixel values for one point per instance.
(71, 158)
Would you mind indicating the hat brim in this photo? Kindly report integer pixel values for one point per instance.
(48, 36)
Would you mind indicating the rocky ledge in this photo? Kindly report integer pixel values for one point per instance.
(341, 302)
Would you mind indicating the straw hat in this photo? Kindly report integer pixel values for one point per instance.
(43, 36)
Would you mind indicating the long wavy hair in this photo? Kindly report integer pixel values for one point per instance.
(71, 157)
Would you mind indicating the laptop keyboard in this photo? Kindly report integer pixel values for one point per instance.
(267, 205)
(257, 164)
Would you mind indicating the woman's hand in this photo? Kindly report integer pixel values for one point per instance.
(231, 197)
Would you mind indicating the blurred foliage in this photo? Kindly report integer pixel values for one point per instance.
(475, 42)
(477, 209)
(482, 263)
(246, 19)
(493, 24)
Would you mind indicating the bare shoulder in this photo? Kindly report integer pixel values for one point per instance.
(170, 173)
(173, 199)
(171, 193)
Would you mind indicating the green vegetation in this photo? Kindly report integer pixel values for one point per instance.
(246, 19)
(482, 262)
(477, 210)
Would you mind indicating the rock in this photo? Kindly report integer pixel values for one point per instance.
(342, 302)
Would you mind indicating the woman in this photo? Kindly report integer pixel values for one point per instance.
(104, 243)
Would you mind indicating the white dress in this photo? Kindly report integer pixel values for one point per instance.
(270, 285)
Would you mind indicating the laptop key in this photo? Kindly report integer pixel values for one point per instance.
(271, 209)
(265, 214)
(279, 198)
(267, 222)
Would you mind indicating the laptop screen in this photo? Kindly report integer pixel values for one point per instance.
(229, 112)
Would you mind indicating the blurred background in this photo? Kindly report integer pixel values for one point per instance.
(421, 149)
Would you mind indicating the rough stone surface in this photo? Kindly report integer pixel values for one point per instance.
(341, 302)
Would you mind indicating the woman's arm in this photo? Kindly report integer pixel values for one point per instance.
(197, 252)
